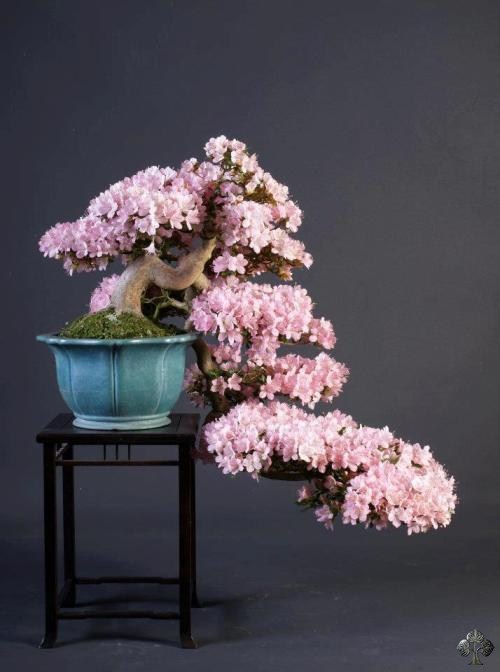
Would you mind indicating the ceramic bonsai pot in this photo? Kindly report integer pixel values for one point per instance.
(130, 383)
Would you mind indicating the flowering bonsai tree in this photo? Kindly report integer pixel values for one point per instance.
(193, 240)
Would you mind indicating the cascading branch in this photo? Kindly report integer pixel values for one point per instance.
(191, 241)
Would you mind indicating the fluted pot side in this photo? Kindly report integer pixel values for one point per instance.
(120, 383)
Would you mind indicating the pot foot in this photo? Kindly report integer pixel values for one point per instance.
(118, 424)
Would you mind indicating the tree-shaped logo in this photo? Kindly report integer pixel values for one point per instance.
(475, 643)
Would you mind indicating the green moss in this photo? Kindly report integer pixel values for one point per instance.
(107, 324)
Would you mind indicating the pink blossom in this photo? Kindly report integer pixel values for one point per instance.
(324, 515)
(304, 492)
(219, 385)
(101, 296)
(216, 148)
(234, 382)
(228, 262)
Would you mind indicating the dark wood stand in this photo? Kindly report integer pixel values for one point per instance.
(59, 438)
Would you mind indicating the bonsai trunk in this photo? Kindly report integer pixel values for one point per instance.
(150, 270)
(187, 275)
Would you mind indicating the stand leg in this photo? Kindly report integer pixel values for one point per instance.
(185, 546)
(194, 596)
(50, 537)
(69, 529)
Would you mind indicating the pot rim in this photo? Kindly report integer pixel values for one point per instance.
(54, 339)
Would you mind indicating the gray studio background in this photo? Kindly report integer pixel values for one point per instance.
(382, 117)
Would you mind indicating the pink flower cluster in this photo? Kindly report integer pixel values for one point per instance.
(101, 296)
(261, 316)
(256, 179)
(251, 227)
(369, 476)
(419, 497)
(307, 380)
(254, 214)
(229, 195)
(153, 203)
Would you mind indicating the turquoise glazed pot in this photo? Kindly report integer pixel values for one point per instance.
(129, 383)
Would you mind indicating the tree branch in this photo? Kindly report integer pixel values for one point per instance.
(207, 366)
(203, 357)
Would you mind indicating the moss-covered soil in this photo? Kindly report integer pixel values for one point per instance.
(107, 324)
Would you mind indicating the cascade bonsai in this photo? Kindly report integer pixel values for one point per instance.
(192, 240)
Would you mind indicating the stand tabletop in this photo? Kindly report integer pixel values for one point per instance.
(61, 429)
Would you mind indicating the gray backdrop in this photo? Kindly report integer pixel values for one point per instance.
(382, 117)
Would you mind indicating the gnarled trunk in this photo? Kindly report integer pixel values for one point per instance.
(150, 269)
(187, 275)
